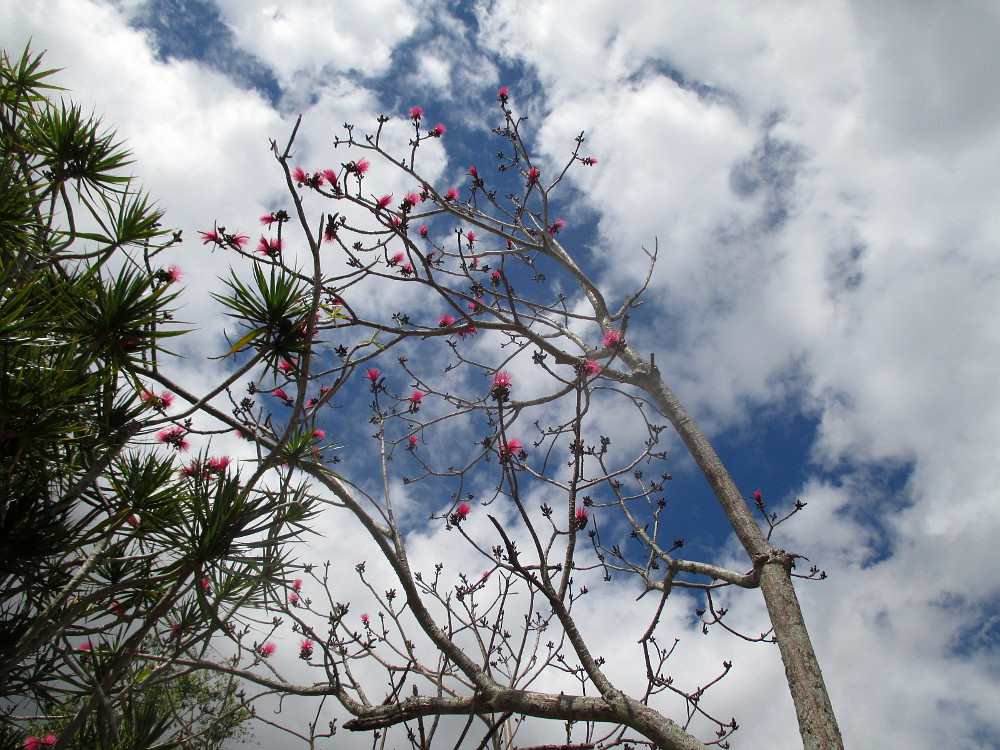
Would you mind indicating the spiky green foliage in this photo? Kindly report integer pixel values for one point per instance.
(112, 552)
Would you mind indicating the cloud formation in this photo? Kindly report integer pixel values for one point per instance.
(821, 183)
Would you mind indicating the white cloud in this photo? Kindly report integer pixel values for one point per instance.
(872, 301)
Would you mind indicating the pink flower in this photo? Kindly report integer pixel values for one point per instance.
(495, 278)
(319, 434)
(451, 195)
(212, 236)
(612, 339)
(511, 448)
(239, 240)
(471, 237)
(406, 269)
(305, 649)
(384, 201)
(286, 366)
(174, 437)
(191, 471)
(554, 229)
(372, 373)
(218, 465)
(330, 175)
(270, 248)
(85, 647)
(417, 397)
(416, 113)
(503, 94)
(297, 584)
(33, 743)
(580, 518)
(205, 585)
(365, 619)
(438, 130)
(268, 219)
(300, 176)
(473, 173)
(758, 497)
(533, 174)
(278, 393)
(267, 650)
(293, 599)
(169, 275)
(422, 231)
(503, 380)
(468, 331)
(412, 199)
(397, 258)
(477, 304)
(160, 403)
(463, 511)
(592, 367)
(413, 441)
(49, 738)
(361, 166)
(590, 161)
(446, 320)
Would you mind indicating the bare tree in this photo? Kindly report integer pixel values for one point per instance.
(468, 664)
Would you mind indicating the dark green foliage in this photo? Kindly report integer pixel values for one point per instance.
(112, 555)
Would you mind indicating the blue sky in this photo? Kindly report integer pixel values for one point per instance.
(821, 181)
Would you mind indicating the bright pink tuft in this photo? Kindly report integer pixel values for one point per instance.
(533, 174)
(511, 448)
(365, 619)
(213, 236)
(384, 201)
(299, 175)
(417, 397)
(463, 510)
(270, 248)
(438, 130)
(446, 320)
(503, 380)
(372, 373)
(160, 403)
(416, 113)
(592, 367)
(174, 437)
(267, 650)
(451, 195)
(612, 339)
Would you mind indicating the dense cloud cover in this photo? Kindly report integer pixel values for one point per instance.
(821, 181)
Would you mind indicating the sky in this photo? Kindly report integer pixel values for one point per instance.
(820, 180)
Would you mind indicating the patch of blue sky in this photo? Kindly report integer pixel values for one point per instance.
(195, 30)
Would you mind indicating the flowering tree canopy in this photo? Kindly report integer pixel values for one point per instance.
(503, 396)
